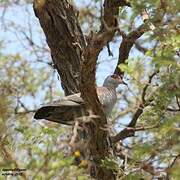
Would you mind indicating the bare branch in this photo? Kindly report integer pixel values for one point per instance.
(146, 128)
(130, 130)
(96, 42)
(173, 110)
(177, 100)
(140, 47)
(174, 161)
(145, 88)
(25, 112)
(127, 44)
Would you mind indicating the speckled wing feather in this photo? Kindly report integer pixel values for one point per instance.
(62, 111)
(107, 97)
(66, 110)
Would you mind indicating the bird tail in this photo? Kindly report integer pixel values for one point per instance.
(60, 114)
(44, 112)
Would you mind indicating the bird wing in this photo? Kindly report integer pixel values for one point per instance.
(62, 111)
(103, 95)
(107, 98)
(71, 100)
(68, 108)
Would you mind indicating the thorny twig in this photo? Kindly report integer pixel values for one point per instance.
(129, 130)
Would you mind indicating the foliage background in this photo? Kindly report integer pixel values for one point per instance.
(28, 79)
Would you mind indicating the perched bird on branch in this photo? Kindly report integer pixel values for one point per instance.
(67, 109)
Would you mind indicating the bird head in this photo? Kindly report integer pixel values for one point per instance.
(113, 81)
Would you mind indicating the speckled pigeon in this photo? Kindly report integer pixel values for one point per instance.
(66, 110)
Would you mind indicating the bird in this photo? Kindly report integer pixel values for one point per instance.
(68, 108)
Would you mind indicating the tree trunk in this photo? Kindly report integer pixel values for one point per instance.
(69, 53)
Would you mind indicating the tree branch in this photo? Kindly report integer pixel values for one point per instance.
(177, 101)
(129, 131)
(96, 41)
(147, 85)
(173, 110)
(140, 48)
(76, 62)
(174, 161)
(126, 45)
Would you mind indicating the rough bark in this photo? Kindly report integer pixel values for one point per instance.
(75, 61)
(76, 64)
(59, 22)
